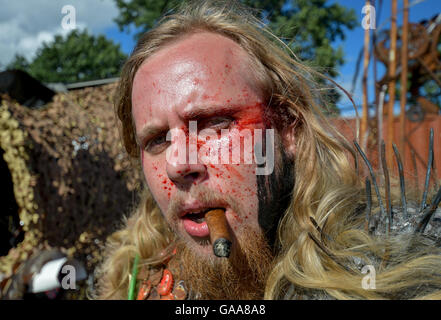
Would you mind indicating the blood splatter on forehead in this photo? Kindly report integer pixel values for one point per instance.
(216, 61)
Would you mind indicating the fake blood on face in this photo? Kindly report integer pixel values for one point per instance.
(251, 117)
(211, 72)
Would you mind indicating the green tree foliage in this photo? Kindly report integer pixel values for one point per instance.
(19, 62)
(309, 27)
(77, 57)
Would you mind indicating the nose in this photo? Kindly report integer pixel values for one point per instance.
(180, 169)
(183, 175)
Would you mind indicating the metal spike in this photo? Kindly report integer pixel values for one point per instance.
(368, 204)
(402, 185)
(415, 168)
(429, 212)
(357, 169)
(374, 180)
(387, 183)
(429, 166)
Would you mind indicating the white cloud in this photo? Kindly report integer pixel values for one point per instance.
(26, 24)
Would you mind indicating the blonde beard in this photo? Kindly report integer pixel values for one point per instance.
(240, 277)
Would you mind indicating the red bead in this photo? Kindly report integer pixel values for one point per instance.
(170, 296)
(166, 284)
(144, 291)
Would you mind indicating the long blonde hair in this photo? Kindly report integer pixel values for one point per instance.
(320, 235)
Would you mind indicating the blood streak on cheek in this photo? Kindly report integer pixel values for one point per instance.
(233, 172)
(250, 117)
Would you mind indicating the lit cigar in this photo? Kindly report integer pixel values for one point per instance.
(219, 235)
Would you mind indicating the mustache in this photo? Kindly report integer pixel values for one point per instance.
(206, 197)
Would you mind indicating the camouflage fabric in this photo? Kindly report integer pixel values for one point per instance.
(73, 181)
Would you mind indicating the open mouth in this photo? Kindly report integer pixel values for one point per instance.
(195, 223)
(198, 216)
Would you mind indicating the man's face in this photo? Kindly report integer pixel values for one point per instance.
(206, 78)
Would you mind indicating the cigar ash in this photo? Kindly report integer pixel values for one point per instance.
(219, 233)
(222, 248)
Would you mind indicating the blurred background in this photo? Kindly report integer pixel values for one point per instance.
(66, 180)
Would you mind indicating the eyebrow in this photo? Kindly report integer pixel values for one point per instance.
(197, 112)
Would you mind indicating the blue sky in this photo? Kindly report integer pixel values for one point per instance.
(124, 39)
(354, 42)
(351, 45)
(26, 24)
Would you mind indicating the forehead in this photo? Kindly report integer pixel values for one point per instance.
(201, 58)
(203, 48)
(201, 69)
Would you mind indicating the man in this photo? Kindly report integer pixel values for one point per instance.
(294, 207)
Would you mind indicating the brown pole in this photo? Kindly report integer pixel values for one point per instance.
(374, 43)
(403, 81)
(376, 87)
(392, 71)
(364, 117)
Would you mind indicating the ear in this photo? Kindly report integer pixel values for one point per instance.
(288, 136)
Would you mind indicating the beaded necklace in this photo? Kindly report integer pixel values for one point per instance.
(156, 283)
